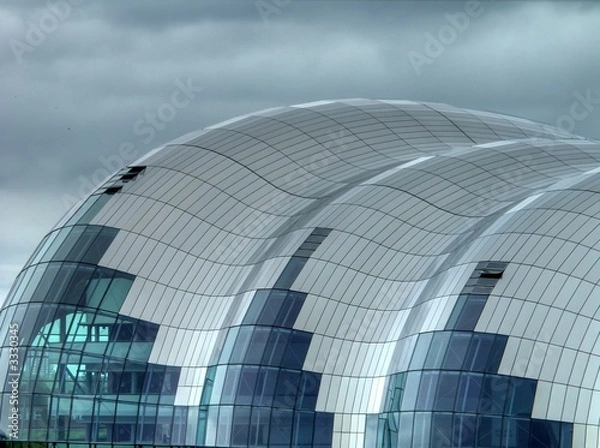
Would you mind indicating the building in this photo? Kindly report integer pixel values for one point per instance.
(337, 274)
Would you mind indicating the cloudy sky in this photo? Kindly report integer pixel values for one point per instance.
(82, 80)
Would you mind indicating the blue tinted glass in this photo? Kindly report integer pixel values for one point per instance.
(290, 272)
(265, 386)
(496, 353)
(257, 344)
(469, 390)
(420, 351)
(68, 243)
(493, 394)
(405, 429)
(489, 432)
(427, 390)
(276, 346)
(471, 312)
(288, 313)
(446, 391)
(247, 384)
(302, 433)
(281, 428)
(79, 281)
(241, 344)
(566, 435)
(84, 242)
(516, 433)
(411, 391)
(519, 401)
(309, 390)
(296, 350)
(545, 434)
(241, 426)
(456, 312)
(437, 350)
(441, 429)
(457, 349)
(422, 430)
(100, 245)
(323, 429)
(259, 426)
(272, 307)
(397, 391)
(479, 351)
(228, 345)
(230, 385)
(465, 430)
(287, 388)
(256, 306)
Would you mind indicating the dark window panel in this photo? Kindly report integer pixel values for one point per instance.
(493, 394)
(276, 346)
(247, 384)
(286, 391)
(230, 385)
(276, 300)
(281, 428)
(323, 429)
(437, 350)
(74, 293)
(446, 392)
(256, 347)
(100, 245)
(464, 431)
(68, 243)
(308, 391)
(259, 426)
(456, 312)
(296, 350)
(457, 349)
(256, 306)
(427, 390)
(239, 349)
(265, 386)
(496, 353)
(91, 212)
(290, 272)
(521, 393)
(441, 429)
(479, 352)
(290, 311)
(469, 391)
(516, 433)
(83, 243)
(471, 312)
(241, 425)
(489, 432)
(302, 433)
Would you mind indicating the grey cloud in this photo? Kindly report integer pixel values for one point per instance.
(76, 96)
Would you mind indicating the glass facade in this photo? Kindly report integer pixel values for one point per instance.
(355, 273)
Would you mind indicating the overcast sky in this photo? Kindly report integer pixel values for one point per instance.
(84, 77)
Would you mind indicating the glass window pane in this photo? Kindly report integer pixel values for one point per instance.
(256, 348)
(296, 350)
(446, 391)
(457, 349)
(469, 390)
(437, 350)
